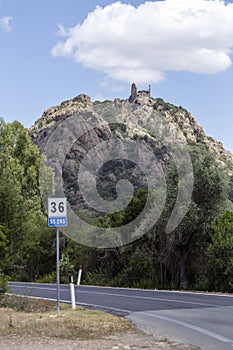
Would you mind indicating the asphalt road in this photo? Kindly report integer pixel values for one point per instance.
(205, 320)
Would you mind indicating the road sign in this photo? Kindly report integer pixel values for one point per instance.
(57, 212)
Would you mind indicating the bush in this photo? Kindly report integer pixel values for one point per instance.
(49, 278)
(97, 278)
(3, 283)
(25, 304)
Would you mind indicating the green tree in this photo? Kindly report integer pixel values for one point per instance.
(21, 212)
(176, 259)
(220, 255)
(67, 268)
(3, 240)
(209, 199)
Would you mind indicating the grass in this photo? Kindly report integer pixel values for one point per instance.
(36, 317)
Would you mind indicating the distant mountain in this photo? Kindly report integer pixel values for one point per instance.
(149, 121)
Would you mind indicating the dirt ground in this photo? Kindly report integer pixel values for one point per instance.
(29, 324)
(122, 341)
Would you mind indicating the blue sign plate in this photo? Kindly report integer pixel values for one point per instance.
(57, 222)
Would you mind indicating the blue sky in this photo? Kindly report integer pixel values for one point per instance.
(183, 51)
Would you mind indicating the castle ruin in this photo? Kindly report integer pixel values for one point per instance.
(135, 93)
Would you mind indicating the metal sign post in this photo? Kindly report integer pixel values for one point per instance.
(58, 271)
(57, 217)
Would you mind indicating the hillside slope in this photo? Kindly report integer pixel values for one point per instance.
(151, 122)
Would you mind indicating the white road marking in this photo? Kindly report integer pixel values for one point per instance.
(189, 325)
(150, 298)
(128, 296)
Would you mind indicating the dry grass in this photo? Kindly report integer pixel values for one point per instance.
(39, 318)
(37, 326)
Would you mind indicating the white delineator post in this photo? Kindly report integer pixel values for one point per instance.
(72, 293)
(79, 274)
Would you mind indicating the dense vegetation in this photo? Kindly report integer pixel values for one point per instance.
(198, 254)
(25, 240)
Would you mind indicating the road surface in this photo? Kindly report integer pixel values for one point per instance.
(202, 319)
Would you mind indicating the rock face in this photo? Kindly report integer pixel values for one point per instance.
(43, 126)
(141, 118)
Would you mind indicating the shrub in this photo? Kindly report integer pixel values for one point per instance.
(49, 278)
(3, 283)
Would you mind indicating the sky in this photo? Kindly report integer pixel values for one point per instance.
(54, 50)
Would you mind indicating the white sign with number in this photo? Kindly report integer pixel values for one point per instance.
(57, 212)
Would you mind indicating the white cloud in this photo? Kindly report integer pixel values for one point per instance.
(141, 44)
(61, 30)
(5, 24)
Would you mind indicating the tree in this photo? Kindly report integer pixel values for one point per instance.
(67, 268)
(209, 199)
(3, 240)
(170, 259)
(220, 255)
(21, 212)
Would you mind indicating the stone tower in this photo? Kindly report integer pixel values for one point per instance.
(134, 92)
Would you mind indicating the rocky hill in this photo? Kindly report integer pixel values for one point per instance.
(152, 122)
